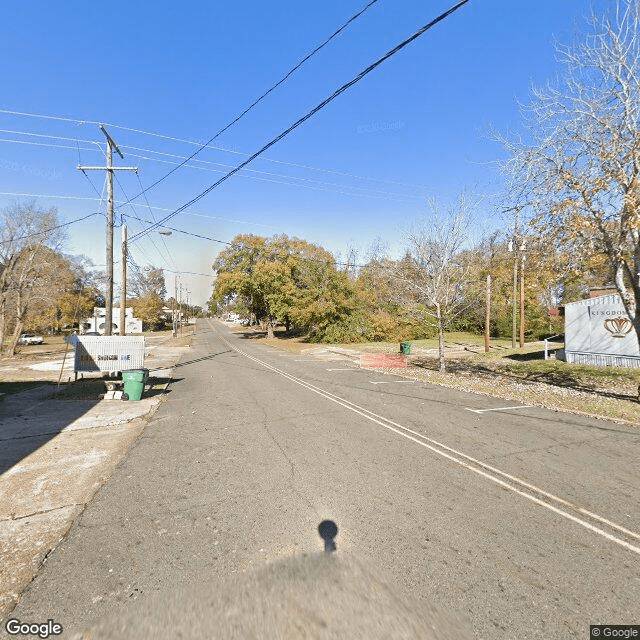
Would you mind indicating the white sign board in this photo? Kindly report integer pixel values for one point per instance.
(600, 328)
(108, 353)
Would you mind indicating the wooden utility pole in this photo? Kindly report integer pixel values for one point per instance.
(123, 284)
(514, 323)
(487, 318)
(522, 298)
(175, 307)
(111, 145)
(180, 310)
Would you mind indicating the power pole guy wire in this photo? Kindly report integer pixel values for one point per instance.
(303, 119)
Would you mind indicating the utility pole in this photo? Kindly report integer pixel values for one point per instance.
(514, 323)
(123, 284)
(111, 145)
(175, 306)
(180, 310)
(522, 297)
(487, 319)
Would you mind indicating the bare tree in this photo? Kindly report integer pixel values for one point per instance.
(431, 278)
(28, 235)
(578, 168)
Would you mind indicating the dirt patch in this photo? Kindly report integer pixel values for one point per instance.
(42, 364)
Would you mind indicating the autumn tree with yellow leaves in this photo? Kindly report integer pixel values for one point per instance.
(577, 169)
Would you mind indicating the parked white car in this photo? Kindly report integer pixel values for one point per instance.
(30, 338)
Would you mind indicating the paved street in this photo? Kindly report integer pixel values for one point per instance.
(523, 520)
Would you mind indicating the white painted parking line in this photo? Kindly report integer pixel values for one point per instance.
(520, 406)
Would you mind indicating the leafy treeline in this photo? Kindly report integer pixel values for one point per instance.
(300, 286)
(287, 280)
(46, 290)
(39, 285)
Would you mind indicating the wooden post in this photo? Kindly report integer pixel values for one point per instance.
(109, 168)
(487, 319)
(109, 296)
(514, 324)
(123, 284)
(522, 303)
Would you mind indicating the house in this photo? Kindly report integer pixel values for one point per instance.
(97, 323)
(599, 331)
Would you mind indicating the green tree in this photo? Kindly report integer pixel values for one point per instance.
(67, 298)
(148, 291)
(149, 309)
(286, 280)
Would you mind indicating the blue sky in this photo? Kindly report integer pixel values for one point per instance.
(362, 168)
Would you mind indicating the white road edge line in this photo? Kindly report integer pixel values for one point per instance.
(520, 406)
(405, 431)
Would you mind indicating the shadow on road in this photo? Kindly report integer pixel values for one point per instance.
(203, 359)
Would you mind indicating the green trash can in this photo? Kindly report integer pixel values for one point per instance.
(405, 347)
(134, 380)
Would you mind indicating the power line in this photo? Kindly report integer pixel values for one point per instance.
(47, 195)
(231, 244)
(308, 115)
(45, 231)
(139, 219)
(191, 142)
(153, 217)
(43, 135)
(263, 96)
(121, 203)
(375, 192)
(342, 189)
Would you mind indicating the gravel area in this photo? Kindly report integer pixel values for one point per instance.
(617, 402)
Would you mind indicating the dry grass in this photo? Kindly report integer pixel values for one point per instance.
(16, 374)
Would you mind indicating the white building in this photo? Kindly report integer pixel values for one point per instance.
(599, 331)
(97, 323)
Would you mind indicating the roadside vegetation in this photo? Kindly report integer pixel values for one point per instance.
(568, 222)
(521, 375)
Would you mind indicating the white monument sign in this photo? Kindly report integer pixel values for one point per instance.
(599, 331)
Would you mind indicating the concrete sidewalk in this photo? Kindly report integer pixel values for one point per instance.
(54, 455)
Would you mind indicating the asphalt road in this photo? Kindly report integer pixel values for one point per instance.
(524, 520)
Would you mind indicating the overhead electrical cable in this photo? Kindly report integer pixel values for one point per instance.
(298, 181)
(231, 244)
(342, 189)
(306, 117)
(256, 171)
(153, 217)
(195, 143)
(265, 94)
(45, 231)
